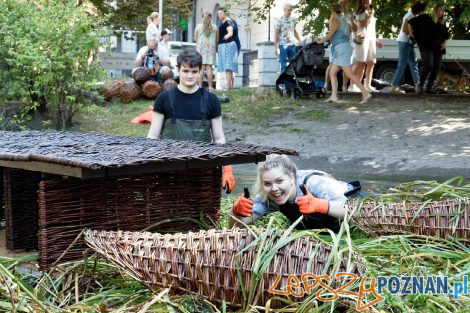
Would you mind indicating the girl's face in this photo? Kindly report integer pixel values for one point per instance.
(278, 186)
(440, 12)
(156, 20)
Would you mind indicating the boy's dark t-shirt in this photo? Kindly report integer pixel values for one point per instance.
(423, 30)
(187, 106)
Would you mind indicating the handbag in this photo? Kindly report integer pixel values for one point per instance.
(359, 38)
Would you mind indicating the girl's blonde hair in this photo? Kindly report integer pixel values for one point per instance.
(435, 17)
(207, 27)
(152, 16)
(273, 161)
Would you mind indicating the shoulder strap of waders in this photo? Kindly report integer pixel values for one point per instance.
(172, 96)
(203, 105)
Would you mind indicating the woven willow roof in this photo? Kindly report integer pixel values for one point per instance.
(96, 151)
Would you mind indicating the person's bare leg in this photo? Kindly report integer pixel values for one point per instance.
(345, 82)
(327, 76)
(210, 78)
(228, 79)
(201, 76)
(365, 95)
(358, 71)
(369, 70)
(334, 69)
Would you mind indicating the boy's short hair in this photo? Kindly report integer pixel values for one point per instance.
(189, 57)
(418, 7)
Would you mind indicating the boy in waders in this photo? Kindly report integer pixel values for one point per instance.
(188, 112)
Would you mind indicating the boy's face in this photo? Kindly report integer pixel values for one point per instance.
(189, 75)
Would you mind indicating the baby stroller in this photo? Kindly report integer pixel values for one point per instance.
(298, 77)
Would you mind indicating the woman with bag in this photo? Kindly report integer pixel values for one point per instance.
(365, 44)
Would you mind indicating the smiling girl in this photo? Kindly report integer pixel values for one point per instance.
(278, 188)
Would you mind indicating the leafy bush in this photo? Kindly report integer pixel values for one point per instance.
(44, 57)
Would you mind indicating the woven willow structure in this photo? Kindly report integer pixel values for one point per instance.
(442, 218)
(112, 89)
(21, 208)
(130, 91)
(211, 262)
(2, 207)
(141, 75)
(58, 183)
(151, 89)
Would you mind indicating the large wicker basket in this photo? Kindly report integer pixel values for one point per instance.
(141, 75)
(445, 218)
(112, 89)
(151, 89)
(211, 263)
(130, 91)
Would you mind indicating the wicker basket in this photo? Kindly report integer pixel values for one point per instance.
(130, 91)
(151, 89)
(168, 84)
(112, 89)
(141, 75)
(210, 263)
(436, 218)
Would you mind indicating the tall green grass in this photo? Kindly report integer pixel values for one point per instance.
(95, 285)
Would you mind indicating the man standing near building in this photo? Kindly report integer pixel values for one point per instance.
(284, 33)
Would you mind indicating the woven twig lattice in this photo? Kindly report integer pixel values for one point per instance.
(206, 262)
(21, 208)
(442, 218)
(94, 151)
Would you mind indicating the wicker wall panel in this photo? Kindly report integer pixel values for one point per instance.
(21, 208)
(206, 262)
(67, 205)
(442, 218)
(2, 204)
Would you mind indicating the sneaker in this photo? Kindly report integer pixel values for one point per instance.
(354, 88)
(396, 89)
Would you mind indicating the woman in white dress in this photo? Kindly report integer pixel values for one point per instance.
(365, 43)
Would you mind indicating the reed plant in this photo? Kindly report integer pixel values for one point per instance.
(97, 285)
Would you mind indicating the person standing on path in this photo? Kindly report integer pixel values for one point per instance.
(341, 51)
(406, 55)
(284, 34)
(227, 49)
(206, 36)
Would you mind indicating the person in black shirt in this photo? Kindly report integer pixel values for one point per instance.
(422, 29)
(227, 49)
(189, 112)
(441, 36)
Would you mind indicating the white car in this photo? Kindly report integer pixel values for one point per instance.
(175, 48)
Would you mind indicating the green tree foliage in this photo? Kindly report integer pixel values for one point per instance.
(43, 57)
(389, 15)
(132, 14)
